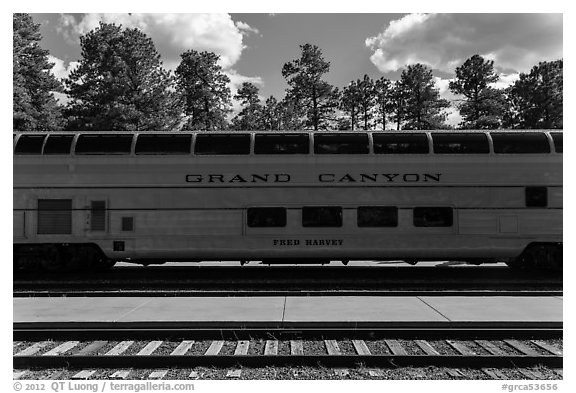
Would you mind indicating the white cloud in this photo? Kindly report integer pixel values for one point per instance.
(60, 70)
(515, 42)
(505, 80)
(174, 34)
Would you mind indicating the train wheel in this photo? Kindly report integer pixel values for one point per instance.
(539, 257)
(54, 259)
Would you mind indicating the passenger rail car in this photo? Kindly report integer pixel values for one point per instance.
(90, 199)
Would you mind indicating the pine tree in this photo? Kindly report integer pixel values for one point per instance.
(483, 106)
(424, 107)
(536, 99)
(308, 91)
(350, 103)
(34, 105)
(384, 102)
(120, 84)
(251, 115)
(367, 98)
(205, 90)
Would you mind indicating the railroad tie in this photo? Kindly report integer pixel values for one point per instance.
(149, 348)
(525, 349)
(84, 374)
(361, 347)
(461, 348)
(296, 347)
(234, 373)
(548, 347)
(242, 348)
(455, 373)
(120, 348)
(559, 371)
(120, 374)
(531, 374)
(376, 373)
(62, 348)
(33, 349)
(194, 375)
(182, 348)
(494, 373)
(396, 348)
(491, 348)
(90, 348)
(427, 348)
(158, 374)
(332, 347)
(271, 348)
(342, 372)
(18, 374)
(214, 348)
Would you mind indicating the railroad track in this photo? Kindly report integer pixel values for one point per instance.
(120, 352)
(285, 281)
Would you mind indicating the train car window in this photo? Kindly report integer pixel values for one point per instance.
(29, 144)
(341, 144)
(520, 143)
(103, 144)
(557, 138)
(322, 216)
(536, 196)
(282, 144)
(377, 216)
(58, 144)
(54, 216)
(460, 143)
(163, 144)
(433, 217)
(222, 144)
(267, 217)
(397, 143)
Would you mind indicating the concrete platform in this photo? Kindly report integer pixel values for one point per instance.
(289, 312)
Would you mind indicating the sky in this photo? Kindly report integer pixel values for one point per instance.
(253, 47)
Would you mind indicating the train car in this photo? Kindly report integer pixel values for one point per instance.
(86, 200)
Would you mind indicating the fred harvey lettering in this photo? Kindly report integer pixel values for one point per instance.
(322, 178)
(308, 242)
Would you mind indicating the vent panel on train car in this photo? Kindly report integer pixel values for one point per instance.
(54, 216)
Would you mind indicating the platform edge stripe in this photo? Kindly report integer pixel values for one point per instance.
(395, 347)
(149, 348)
(332, 347)
(242, 348)
(182, 348)
(461, 348)
(296, 347)
(120, 374)
(234, 373)
(62, 348)
(33, 349)
(271, 348)
(361, 347)
(90, 348)
(427, 347)
(490, 348)
(548, 347)
(120, 348)
(214, 348)
(18, 374)
(158, 374)
(525, 349)
(84, 374)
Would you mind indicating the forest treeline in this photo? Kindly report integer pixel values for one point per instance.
(120, 85)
